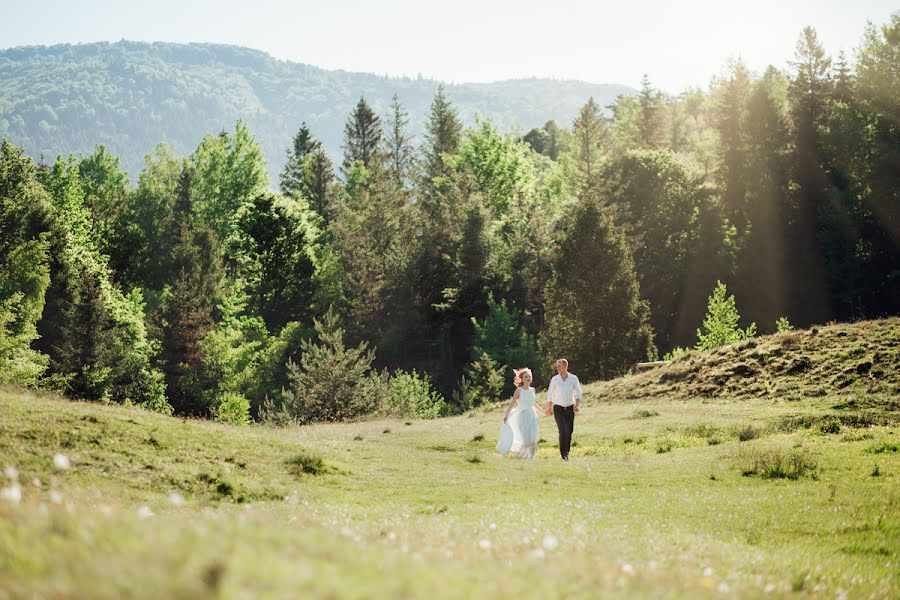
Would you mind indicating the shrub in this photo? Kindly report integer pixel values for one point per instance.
(305, 463)
(644, 414)
(412, 395)
(747, 433)
(234, 409)
(830, 426)
(675, 353)
(782, 325)
(778, 464)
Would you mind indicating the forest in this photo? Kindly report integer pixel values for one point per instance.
(411, 276)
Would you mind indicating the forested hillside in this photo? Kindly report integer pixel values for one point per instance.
(409, 276)
(129, 96)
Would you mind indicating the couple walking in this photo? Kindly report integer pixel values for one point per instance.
(563, 400)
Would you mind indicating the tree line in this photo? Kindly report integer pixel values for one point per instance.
(413, 276)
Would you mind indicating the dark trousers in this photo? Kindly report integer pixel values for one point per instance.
(565, 422)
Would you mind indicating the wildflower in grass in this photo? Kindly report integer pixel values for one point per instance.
(12, 492)
(61, 462)
(55, 497)
(707, 572)
(537, 553)
(176, 499)
(485, 544)
(144, 512)
(550, 542)
(11, 473)
(628, 569)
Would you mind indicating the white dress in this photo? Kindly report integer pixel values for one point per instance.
(524, 422)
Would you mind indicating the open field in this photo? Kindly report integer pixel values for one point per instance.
(791, 489)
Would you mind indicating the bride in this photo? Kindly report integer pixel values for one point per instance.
(521, 415)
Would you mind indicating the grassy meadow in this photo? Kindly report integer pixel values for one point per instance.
(781, 480)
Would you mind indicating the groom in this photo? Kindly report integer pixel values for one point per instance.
(564, 395)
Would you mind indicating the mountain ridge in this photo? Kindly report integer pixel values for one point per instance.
(66, 98)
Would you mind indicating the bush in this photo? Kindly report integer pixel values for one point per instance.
(745, 434)
(234, 409)
(411, 395)
(782, 325)
(778, 464)
(830, 426)
(305, 463)
(675, 353)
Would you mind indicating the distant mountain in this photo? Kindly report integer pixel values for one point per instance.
(129, 96)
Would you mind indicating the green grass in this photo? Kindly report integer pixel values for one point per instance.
(669, 506)
(317, 512)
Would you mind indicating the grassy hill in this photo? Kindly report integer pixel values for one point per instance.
(130, 96)
(769, 467)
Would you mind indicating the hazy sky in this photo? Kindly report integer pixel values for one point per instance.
(678, 43)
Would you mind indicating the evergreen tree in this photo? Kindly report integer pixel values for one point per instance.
(810, 92)
(842, 79)
(661, 209)
(194, 291)
(398, 150)
(730, 117)
(588, 139)
(293, 179)
(720, 327)
(332, 382)
(594, 314)
(763, 278)
(362, 138)
(443, 133)
(650, 115)
(318, 176)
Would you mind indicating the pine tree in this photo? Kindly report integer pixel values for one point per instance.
(293, 178)
(842, 79)
(720, 327)
(398, 151)
(318, 175)
(195, 289)
(443, 133)
(763, 257)
(588, 134)
(362, 138)
(809, 93)
(332, 382)
(594, 314)
(730, 117)
(650, 115)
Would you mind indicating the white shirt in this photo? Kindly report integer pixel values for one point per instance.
(564, 392)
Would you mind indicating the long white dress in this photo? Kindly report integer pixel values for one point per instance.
(524, 422)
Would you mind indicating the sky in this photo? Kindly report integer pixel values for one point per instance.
(677, 43)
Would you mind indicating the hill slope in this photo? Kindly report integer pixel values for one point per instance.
(131, 96)
(728, 494)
